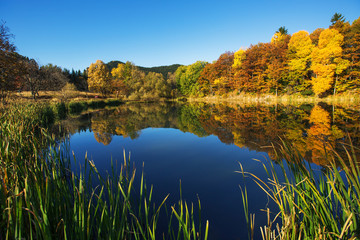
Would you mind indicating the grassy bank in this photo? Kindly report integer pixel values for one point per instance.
(268, 99)
(41, 198)
(311, 204)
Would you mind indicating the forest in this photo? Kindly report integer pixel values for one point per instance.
(322, 63)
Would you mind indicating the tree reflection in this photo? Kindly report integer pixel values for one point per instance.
(313, 130)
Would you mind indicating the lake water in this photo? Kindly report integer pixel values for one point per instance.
(201, 145)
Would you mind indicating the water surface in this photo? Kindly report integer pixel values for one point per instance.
(201, 145)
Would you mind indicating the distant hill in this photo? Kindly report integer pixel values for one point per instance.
(161, 69)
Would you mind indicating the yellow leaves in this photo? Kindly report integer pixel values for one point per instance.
(321, 84)
(326, 60)
(318, 133)
(300, 44)
(118, 71)
(239, 57)
(341, 65)
(332, 40)
(99, 77)
(278, 37)
(319, 116)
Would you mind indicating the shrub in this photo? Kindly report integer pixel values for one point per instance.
(60, 110)
(77, 107)
(97, 104)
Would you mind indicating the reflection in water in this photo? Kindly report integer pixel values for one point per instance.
(308, 127)
(205, 165)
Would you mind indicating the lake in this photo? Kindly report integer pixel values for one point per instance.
(202, 145)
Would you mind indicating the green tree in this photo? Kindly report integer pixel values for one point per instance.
(337, 17)
(187, 78)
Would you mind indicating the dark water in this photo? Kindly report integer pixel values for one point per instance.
(202, 145)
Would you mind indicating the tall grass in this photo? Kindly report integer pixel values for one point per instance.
(311, 204)
(41, 198)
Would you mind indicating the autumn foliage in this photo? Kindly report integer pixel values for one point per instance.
(324, 62)
(321, 63)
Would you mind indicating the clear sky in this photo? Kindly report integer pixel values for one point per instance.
(73, 34)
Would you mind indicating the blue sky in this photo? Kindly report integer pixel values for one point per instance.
(73, 34)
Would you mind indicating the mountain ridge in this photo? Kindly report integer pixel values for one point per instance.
(164, 70)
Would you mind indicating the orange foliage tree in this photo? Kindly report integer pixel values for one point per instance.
(277, 67)
(218, 77)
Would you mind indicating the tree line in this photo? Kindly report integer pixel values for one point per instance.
(320, 63)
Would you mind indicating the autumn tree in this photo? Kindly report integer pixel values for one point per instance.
(327, 61)
(221, 73)
(252, 75)
(276, 72)
(171, 82)
(217, 77)
(315, 35)
(350, 78)
(299, 55)
(53, 77)
(99, 77)
(239, 57)
(31, 76)
(207, 74)
(353, 55)
(279, 35)
(9, 62)
(119, 78)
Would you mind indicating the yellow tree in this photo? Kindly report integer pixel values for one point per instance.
(299, 53)
(99, 77)
(239, 58)
(280, 35)
(327, 61)
(118, 79)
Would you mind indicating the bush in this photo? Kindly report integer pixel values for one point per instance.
(69, 91)
(134, 97)
(307, 92)
(77, 107)
(60, 110)
(46, 116)
(113, 102)
(96, 104)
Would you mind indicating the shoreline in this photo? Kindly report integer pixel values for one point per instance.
(346, 99)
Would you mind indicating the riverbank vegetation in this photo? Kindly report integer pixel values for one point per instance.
(312, 204)
(42, 198)
(323, 63)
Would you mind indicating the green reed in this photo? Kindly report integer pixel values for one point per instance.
(311, 204)
(41, 198)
